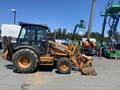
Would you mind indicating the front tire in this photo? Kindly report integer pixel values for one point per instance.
(64, 66)
(25, 60)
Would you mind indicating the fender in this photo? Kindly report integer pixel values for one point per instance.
(28, 47)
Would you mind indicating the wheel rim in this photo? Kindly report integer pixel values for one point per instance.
(64, 66)
(24, 62)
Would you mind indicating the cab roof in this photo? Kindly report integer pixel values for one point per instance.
(31, 24)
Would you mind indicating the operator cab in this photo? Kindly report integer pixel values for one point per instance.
(34, 35)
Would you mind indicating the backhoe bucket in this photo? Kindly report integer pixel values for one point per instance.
(7, 48)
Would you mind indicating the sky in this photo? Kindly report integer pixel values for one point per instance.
(54, 13)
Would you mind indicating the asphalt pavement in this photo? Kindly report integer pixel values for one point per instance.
(108, 78)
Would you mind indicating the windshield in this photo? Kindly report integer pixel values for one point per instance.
(32, 34)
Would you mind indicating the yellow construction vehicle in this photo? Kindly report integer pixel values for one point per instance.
(33, 48)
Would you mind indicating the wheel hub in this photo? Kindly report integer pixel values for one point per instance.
(24, 62)
(64, 67)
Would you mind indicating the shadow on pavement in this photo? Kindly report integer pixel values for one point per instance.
(38, 69)
(45, 68)
(9, 66)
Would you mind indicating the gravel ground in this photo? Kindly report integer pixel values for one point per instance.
(108, 78)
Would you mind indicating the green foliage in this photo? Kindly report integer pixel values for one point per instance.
(96, 35)
(64, 34)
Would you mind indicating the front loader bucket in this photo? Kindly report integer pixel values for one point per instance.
(88, 68)
(81, 61)
(89, 71)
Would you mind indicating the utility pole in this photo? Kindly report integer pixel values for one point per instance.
(91, 18)
(14, 15)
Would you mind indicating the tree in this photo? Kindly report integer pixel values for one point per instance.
(64, 33)
(59, 33)
(96, 35)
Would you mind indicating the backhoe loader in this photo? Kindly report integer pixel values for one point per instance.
(33, 48)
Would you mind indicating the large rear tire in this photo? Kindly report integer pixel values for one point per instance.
(25, 60)
(64, 66)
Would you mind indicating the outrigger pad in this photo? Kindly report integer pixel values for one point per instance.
(89, 71)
